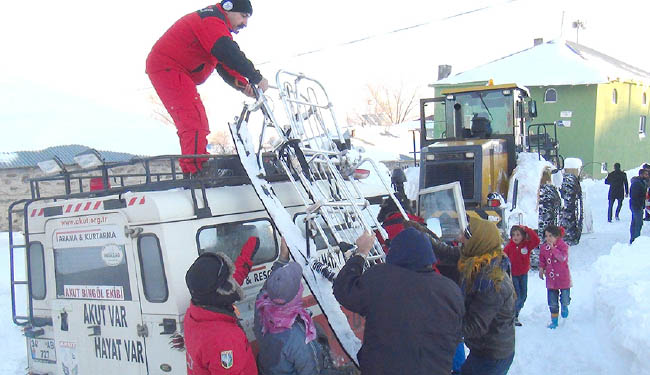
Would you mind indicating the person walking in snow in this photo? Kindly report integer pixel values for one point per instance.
(618, 189)
(186, 55)
(638, 191)
(522, 241)
(413, 314)
(488, 324)
(646, 217)
(290, 342)
(554, 266)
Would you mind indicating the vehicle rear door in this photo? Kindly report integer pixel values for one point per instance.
(96, 314)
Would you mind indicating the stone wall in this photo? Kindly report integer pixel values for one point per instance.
(14, 186)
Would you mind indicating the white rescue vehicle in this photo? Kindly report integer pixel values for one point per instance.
(104, 287)
(104, 291)
(106, 271)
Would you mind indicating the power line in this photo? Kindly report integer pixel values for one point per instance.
(407, 28)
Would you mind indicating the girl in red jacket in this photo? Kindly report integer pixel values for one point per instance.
(522, 241)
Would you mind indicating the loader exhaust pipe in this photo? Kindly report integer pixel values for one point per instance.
(458, 121)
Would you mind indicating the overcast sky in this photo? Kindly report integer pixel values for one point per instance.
(73, 71)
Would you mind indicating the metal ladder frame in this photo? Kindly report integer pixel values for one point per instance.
(316, 160)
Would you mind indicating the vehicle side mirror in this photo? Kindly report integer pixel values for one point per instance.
(532, 108)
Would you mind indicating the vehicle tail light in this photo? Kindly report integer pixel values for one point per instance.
(360, 174)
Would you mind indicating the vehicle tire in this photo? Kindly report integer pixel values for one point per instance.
(549, 211)
(572, 214)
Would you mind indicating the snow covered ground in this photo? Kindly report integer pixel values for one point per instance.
(607, 332)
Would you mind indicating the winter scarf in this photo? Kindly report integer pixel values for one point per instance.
(481, 257)
(278, 318)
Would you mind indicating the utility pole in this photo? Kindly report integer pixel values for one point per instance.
(577, 24)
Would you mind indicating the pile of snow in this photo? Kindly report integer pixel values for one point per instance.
(621, 292)
(529, 173)
(13, 354)
(385, 142)
(572, 163)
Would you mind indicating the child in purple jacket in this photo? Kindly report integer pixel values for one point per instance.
(554, 264)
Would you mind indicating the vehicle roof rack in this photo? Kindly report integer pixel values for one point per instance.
(150, 174)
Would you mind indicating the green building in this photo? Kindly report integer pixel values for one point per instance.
(599, 103)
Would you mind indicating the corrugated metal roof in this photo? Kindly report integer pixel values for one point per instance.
(22, 159)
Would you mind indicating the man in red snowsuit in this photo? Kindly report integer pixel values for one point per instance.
(186, 55)
(214, 340)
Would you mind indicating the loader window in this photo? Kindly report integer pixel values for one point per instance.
(37, 270)
(152, 268)
(93, 272)
(229, 238)
(495, 106)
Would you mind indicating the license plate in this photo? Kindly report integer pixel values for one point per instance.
(42, 350)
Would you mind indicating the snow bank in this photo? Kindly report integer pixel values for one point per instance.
(529, 173)
(572, 163)
(621, 293)
(13, 357)
(385, 143)
(412, 185)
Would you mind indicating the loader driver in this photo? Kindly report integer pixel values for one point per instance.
(185, 56)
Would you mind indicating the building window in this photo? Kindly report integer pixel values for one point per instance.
(614, 96)
(644, 99)
(642, 126)
(550, 96)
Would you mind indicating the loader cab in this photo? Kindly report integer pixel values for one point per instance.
(472, 135)
(476, 113)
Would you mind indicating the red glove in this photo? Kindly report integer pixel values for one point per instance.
(244, 261)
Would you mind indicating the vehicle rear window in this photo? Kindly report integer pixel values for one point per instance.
(37, 270)
(96, 272)
(152, 268)
(230, 237)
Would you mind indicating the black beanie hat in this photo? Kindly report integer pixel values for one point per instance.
(243, 6)
(209, 280)
(411, 249)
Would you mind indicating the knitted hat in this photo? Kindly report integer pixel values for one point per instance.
(243, 6)
(411, 249)
(283, 284)
(480, 262)
(210, 281)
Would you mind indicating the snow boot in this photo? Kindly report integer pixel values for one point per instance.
(553, 324)
(517, 322)
(565, 311)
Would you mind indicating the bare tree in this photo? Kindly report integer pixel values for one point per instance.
(159, 112)
(222, 142)
(396, 104)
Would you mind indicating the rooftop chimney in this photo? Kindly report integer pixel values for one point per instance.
(538, 41)
(444, 71)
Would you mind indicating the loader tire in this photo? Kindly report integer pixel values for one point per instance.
(572, 214)
(549, 211)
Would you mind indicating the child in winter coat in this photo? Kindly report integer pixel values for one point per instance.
(522, 241)
(554, 265)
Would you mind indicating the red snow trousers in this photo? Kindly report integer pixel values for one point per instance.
(178, 94)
